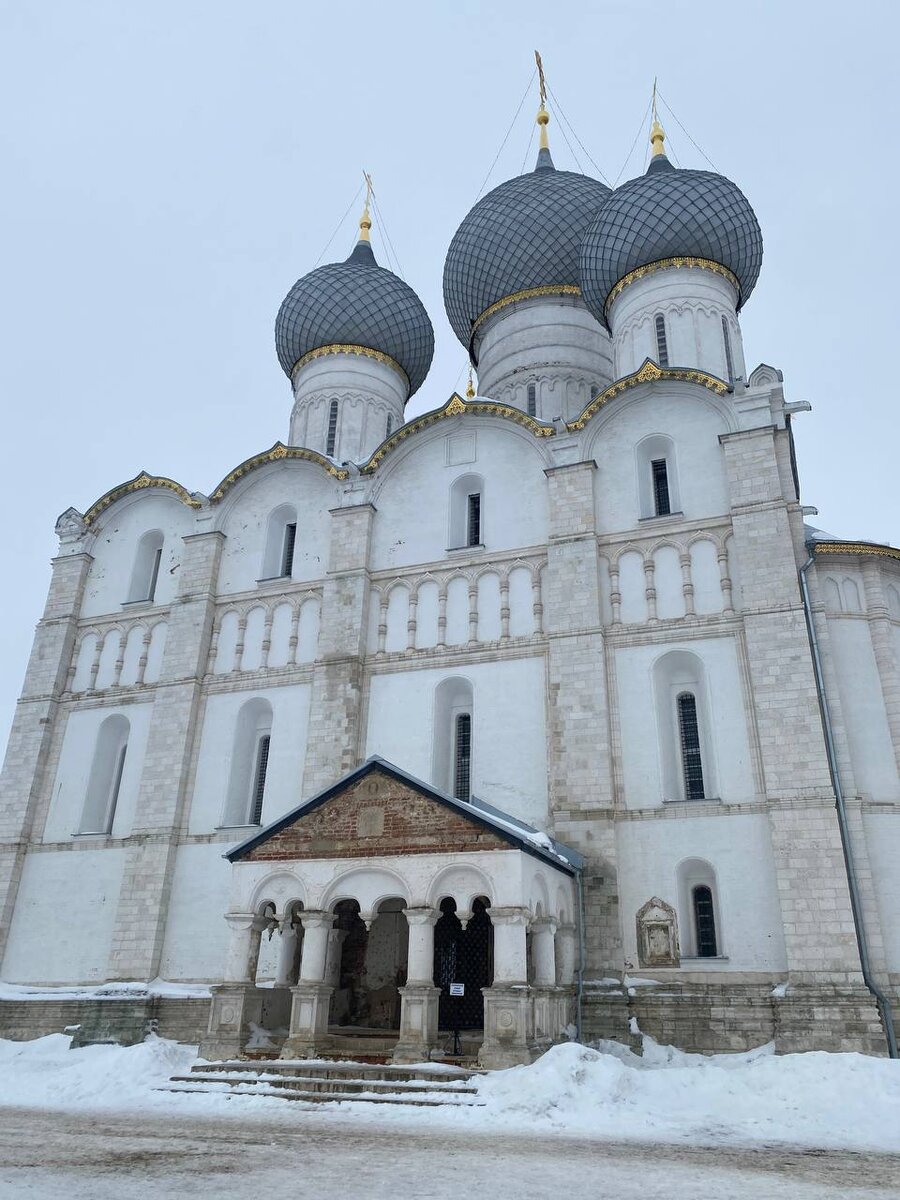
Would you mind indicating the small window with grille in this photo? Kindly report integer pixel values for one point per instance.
(729, 360)
(689, 736)
(287, 549)
(704, 922)
(473, 520)
(332, 428)
(662, 348)
(532, 399)
(462, 757)
(259, 779)
(661, 501)
(154, 572)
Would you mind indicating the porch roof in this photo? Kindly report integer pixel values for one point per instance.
(512, 830)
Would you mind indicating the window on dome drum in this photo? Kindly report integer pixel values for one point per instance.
(689, 735)
(389, 426)
(332, 428)
(662, 348)
(661, 502)
(259, 779)
(532, 399)
(287, 549)
(473, 520)
(462, 760)
(595, 390)
(105, 781)
(729, 361)
(147, 561)
(704, 922)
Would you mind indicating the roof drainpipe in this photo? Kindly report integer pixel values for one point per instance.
(881, 1000)
(579, 987)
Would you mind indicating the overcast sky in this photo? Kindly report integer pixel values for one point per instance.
(170, 168)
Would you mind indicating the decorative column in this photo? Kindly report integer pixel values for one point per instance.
(419, 998)
(508, 1017)
(308, 1034)
(285, 969)
(546, 1023)
(237, 1002)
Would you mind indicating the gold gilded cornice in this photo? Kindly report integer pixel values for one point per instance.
(671, 264)
(553, 289)
(278, 452)
(867, 548)
(648, 373)
(456, 407)
(138, 484)
(348, 348)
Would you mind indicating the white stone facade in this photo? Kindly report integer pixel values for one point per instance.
(571, 625)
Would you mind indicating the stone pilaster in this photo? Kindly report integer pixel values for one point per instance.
(881, 633)
(334, 740)
(579, 758)
(150, 859)
(23, 782)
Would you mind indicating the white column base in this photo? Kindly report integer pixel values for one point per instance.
(418, 1023)
(309, 1021)
(232, 1008)
(508, 1027)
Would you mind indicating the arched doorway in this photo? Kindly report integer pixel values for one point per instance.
(371, 966)
(463, 956)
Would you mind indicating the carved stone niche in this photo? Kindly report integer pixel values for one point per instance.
(657, 935)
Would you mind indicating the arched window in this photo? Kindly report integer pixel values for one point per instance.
(689, 735)
(698, 909)
(281, 540)
(595, 390)
(685, 731)
(729, 360)
(704, 922)
(453, 737)
(466, 512)
(657, 477)
(532, 399)
(662, 348)
(249, 764)
(331, 437)
(389, 426)
(147, 561)
(105, 780)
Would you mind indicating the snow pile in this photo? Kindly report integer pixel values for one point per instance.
(820, 1099)
(45, 1073)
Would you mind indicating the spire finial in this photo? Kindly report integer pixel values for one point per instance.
(365, 221)
(543, 117)
(470, 386)
(657, 133)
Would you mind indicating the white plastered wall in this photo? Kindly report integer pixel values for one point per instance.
(196, 935)
(62, 926)
(509, 755)
(738, 848)
(284, 776)
(883, 839)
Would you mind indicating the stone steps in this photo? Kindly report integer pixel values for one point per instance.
(321, 1082)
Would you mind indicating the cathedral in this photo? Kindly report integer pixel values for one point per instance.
(542, 715)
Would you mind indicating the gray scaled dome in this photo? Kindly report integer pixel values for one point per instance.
(356, 303)
(524, 234)
(669, 213)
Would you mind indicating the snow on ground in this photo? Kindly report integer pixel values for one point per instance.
(817, 1099)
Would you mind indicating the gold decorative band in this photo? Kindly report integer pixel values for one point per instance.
(649, 372)
(144, 480)
(553, 289)
(856, 548)
(347, 348)
(670, 264)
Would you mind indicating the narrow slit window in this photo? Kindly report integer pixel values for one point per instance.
(462, 757)
(662, 504)
(532, 399)
(154, 572)
(662, 348)
(116, 786)
(259, 779)
(287, 549)
(729, 361)
(689, 736)
(332, 428)
(389, 426)
(704, 923)
(473, 520)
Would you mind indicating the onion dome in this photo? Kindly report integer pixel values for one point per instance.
(670, 214)
(359, 307)
(523, 237)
